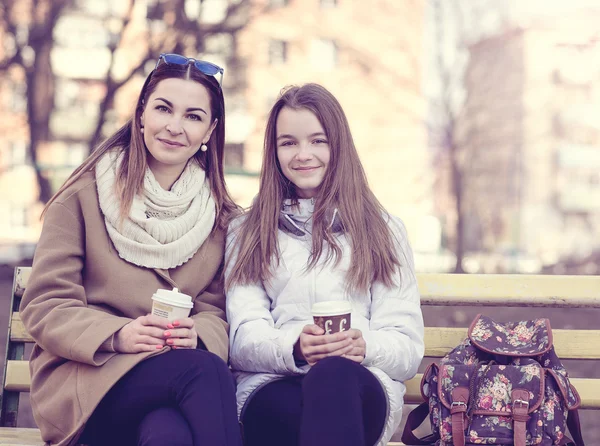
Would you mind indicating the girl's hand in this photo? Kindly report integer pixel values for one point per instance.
(144, 334)
(313, 345)
(181, 334)
(359, 346)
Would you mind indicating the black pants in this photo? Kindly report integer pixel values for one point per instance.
(183, 397)
(338, 402)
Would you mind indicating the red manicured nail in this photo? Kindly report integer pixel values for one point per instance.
(158, 347)
(170, 341)
(170, 326)
(167, 333)
(176, 323)
(174, 347)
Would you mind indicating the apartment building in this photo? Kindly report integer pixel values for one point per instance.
(532, 140)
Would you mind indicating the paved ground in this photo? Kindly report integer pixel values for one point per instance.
(580, 318)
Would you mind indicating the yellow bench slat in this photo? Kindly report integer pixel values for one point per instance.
(510, 290)
(589, 391)
(17, 376)
(17, 436)
(18, 333)
(569, 344)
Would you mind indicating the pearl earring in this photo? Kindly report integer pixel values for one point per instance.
(204, 147)
(142, 129)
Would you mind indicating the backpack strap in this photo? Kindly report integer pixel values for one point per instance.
(520, 410)
(413, 421)
(574, 426)
(460, 399)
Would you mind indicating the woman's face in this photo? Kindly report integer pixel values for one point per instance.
(176, 121)
(302, 150)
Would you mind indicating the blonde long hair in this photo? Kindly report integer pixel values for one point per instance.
(129, 139)
(344, 187)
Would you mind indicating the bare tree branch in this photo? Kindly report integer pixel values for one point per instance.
(177, 39)
(181, 34)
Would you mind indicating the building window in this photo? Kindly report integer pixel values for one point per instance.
(278, 3)
(220, 44)
(18, 98)
(324, 54)
(233, 158)
(16, 154)
(75, 155)
(277, 52)
(328, 3)
(18, 216)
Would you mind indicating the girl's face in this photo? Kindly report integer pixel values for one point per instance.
(176, 121)
(302, 150)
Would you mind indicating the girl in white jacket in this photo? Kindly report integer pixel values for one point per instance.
(316, 233)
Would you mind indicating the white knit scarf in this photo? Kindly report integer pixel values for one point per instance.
(164, 229)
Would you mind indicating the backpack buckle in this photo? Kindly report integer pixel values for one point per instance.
(520, 404)
(458, 407)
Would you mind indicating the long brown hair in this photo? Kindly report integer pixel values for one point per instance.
(129, 139)
(344, 187)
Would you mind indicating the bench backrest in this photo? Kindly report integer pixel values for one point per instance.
(436, 289)
(15, 378)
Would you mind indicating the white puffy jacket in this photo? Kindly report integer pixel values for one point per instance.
(266, 319)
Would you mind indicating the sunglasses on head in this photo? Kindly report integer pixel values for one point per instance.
(208, 68)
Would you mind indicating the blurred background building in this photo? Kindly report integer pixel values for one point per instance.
(375, 70)
(504, 179)
(532, 134)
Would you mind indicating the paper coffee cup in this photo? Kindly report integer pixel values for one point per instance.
(332, 316)
(171, 304)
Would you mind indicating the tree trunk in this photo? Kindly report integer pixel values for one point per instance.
(40, 98)
(104, 106)
(457, 188)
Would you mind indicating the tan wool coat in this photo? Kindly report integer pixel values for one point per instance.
(81, 293)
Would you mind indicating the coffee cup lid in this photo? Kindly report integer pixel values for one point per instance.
(331, 308)
(173, 297)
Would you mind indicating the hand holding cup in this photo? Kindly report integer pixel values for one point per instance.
(168, 324)
(181, 334)
(175, 307)
(144, 334)
(329, 335)
(314, 345)
(359, 346)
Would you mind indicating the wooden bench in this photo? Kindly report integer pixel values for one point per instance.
(436, 289)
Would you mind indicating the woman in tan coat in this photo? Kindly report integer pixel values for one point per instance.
(146, 211)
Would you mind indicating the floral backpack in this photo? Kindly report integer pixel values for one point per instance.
(503, 385)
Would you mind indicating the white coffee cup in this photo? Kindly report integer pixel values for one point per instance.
(332, 316)
(171, 304)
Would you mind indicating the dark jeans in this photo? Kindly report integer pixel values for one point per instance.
(338, 402)
(182, 397)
